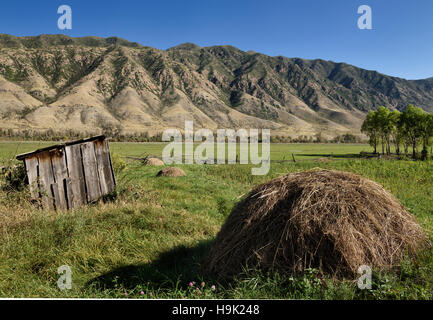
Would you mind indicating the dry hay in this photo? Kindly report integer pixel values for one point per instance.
(325, 160)
(171, 172)
(153, 162)
(332, 221)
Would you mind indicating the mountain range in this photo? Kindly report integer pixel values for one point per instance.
(91, 83)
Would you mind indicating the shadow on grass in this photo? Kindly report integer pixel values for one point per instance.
(181, 264)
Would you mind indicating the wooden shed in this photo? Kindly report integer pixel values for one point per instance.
(70, 174)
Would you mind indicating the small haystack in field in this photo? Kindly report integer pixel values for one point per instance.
(153, 162)
(332, 221)
(171, 172)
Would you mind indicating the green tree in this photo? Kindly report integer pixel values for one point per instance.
(395, 129)
(371, 128)
(411, 125)
(385, 127)
(426, 129)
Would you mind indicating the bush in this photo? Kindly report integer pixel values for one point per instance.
(15, 177)
(118, 163)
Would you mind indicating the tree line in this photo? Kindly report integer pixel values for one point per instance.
(68, 135)
(118, 136)
(410, 129)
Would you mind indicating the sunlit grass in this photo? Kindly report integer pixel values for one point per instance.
(149, 242)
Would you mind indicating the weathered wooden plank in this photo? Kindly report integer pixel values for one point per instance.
(100, 164)
(91, 175)
(68, 192)
(56, 196)
(46, 178)
(106, 178)
(60, 174)
(58, 146)
(74, 161)
(107, 148)
(31, 165)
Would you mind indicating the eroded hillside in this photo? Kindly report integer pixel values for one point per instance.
(85, 84)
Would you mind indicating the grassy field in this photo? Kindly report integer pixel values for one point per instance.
(302, 151)
(150, 240)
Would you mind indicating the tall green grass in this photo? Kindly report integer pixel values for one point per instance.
(149, 241)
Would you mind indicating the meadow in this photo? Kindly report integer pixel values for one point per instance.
(149, 240)
(280, 151)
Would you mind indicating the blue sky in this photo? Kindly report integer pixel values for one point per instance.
(400, 44)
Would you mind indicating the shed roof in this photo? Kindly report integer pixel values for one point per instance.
(59, 146)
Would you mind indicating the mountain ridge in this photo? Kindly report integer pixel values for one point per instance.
(59, 82)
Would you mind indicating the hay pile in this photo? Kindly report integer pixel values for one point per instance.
(153, 162)
(171, 172)
(329, 220)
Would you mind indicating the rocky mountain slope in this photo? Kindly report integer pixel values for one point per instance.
(54, 81)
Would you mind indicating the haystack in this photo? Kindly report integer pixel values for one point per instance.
(171, 172)
(328, 220)
(153, 162)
